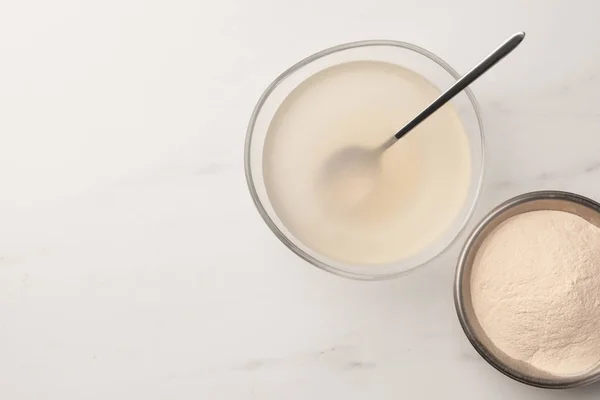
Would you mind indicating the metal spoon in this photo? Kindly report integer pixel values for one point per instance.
(366, 160)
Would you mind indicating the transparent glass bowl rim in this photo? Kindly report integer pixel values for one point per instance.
(306, 61)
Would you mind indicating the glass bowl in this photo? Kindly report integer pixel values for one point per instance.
(409, 56)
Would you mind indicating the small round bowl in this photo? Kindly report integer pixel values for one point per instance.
(520, 371)
(434, 69)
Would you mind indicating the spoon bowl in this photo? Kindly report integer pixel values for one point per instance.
(350, 175)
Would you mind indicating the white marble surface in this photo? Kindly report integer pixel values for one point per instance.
(132, 262)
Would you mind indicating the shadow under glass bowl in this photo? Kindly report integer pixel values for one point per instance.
(534, 201)
(406, 55)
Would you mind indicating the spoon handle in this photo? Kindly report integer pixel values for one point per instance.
(463, 82)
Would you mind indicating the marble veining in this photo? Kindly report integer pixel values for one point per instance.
(133, 263)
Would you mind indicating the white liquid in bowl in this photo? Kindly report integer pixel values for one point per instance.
(422, 181)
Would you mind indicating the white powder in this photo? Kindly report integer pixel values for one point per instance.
(535, 289)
